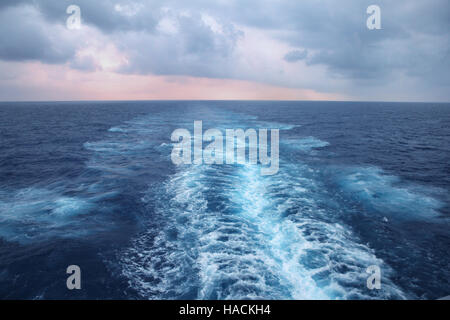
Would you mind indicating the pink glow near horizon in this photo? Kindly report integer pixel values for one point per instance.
(59, 82)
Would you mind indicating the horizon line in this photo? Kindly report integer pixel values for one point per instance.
(216, 100)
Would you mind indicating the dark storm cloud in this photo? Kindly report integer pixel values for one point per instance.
(414, 38)
(105, 14)
(24, 36)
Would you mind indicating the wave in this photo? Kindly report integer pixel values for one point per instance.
(117, 129)
(35, 214)
(386, 194)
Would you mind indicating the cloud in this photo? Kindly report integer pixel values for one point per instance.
(10, 3)
(296, 55)
(186, 44)
(107, 15)
(24, 35)
(317, 45)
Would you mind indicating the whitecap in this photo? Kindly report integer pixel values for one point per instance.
(387, 194)
(305, 144)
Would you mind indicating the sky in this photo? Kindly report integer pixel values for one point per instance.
(225, 50)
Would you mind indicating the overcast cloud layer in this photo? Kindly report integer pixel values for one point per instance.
(317, 45)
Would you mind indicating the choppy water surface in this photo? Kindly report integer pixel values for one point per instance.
(92, 184)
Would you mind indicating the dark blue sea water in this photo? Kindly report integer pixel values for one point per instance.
(92, 184)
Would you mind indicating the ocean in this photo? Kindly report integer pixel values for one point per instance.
(92, 184)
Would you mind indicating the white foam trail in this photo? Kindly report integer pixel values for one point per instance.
(226, 232)
(236, 235)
